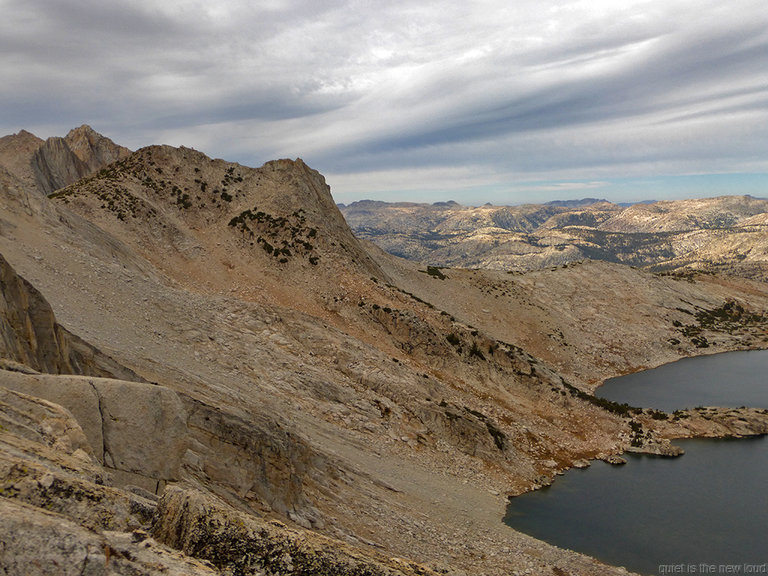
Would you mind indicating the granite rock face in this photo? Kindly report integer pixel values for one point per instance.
(16, 151)
(38, 420)
(62, 161)
(237, 543)
(46, 165)
(60, 516)
(30, 335)
(132, 427)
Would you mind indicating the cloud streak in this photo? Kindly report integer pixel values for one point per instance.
(538, 92)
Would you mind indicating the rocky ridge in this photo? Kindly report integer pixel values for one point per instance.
(16, 152)
(62, 161)
(372, 400)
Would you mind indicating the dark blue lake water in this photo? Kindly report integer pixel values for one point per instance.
(661, 516)
(732, 379)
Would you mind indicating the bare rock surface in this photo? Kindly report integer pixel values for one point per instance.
(32, 337)
(16, 152)
(44, 166)
(61, 161)
(40, 421)
(132, 427)
(192, 522)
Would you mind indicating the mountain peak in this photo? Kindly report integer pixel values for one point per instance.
(82, 129)
(16, 152)
(83, 151)
(26, 135)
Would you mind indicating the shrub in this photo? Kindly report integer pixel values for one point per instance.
(434, 271)
(475, 351)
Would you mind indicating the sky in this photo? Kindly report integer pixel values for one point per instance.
(472, 101)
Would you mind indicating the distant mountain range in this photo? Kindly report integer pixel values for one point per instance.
(728, 233)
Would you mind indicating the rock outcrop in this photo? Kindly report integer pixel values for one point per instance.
(16, 152)
(59, 516)
(136, 430)
(241, 544)
(62, 161)
(254, 458)
(40, 421)
(47, 165)
(30, 335)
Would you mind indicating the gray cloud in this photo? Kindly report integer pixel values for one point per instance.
(554, 90)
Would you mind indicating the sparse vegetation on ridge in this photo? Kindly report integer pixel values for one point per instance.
(435, 272)
(289, 233)
(729, 318)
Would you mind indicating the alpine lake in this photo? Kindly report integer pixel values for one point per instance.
(703, 513)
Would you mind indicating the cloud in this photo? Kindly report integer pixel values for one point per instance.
(558, 90)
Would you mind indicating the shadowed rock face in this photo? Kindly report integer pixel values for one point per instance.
(62, 161)
(16, 151)
(30, 335)
(55, 165)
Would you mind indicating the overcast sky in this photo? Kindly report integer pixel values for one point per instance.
(475, 101)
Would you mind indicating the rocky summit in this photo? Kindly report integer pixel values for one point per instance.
(203, 370)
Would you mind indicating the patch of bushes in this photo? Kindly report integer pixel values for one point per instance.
(622, 409)
(636, 439)
(435, 272)
(474, 350)
(288, 232)
(700, 342)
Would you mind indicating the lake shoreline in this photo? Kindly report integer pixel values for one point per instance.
(580, 510)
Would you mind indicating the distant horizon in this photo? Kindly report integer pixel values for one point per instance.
(624, 191)
(586, 201)
(616, 190)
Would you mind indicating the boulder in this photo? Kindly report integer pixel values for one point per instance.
(133, 427)
(38, 420)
